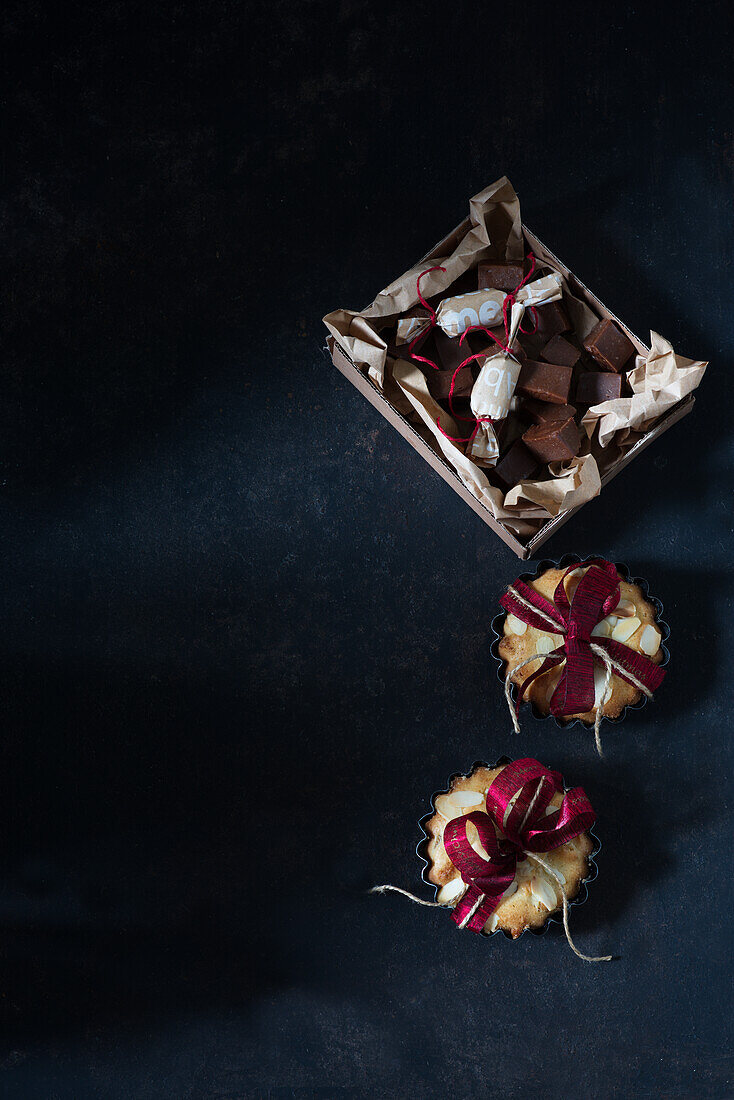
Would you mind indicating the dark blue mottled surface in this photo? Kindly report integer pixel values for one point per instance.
(245, 628)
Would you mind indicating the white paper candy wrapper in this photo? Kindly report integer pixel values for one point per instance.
(492, 394)
(484, 447)
(494, 389)
(484, 307)
(495, 385)
(411, 327)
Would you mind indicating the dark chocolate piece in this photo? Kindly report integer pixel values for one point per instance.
(609, 346)
(599, 385)
(449, 352)
(517, 464)
(508, 430)
(558, 350)
(519, 352)
(439, 382)
(553, 440)
(466, 283)
(540, 411)
(544, 381)
(552, 319)
(500, 275)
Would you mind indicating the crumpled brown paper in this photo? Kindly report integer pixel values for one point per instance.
(659, 381)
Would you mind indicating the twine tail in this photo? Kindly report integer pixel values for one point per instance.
(602, 701)
(572, 945)
(508, 685)
(600, 652)
(551, 871)
(406, 894)
(597, 736)
(472, 911)
(508, 697)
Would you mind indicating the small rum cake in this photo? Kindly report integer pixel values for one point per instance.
(533, 894)
(632, 622)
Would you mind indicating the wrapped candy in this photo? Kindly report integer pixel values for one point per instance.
(484, 308)
(494, 388)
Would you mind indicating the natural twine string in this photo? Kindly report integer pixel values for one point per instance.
(550, 870)
(610, 666)
(531, 855)
(406, 894)
(386, 887)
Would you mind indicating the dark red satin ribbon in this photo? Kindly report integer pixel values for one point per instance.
(595, 597)
(508, 830)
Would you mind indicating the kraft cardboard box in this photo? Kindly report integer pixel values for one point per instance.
(523, 547)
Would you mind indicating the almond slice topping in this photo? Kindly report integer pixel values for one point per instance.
(458, 803)
(600, 675)
(650, 640)
(451, 891)
(625, 628)
(543, 892)
(472, 835)
(515, 625)
(572, 581)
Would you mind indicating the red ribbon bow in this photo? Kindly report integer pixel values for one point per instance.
(516, 802)
(595, 597)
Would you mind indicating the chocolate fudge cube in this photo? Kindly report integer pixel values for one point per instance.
(609, 346)
(540, 411)
(547, 382)
(517, 464)
(553, 440)
(596, 386)
(559, 350)
(439, 383)
(552, 320)
(500, 275)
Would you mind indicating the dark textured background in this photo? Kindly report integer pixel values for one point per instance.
(245, 628)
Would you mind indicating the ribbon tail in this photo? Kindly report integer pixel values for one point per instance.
(636, 668)
(475, 908)
(574, 692)
(551, 661)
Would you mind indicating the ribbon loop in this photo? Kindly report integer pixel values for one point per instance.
(487, 879)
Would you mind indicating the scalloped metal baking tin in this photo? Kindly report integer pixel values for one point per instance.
(556, 917)
(573, 559)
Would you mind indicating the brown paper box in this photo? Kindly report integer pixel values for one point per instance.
(523, 548)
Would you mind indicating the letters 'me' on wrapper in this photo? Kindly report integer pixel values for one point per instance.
(483, 308)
